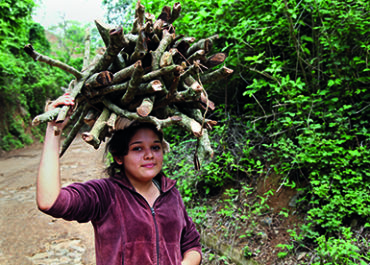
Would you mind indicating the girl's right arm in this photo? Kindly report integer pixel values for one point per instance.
(48, 179)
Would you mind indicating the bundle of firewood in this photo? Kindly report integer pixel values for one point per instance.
(151, 74)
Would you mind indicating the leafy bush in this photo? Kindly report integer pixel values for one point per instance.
(302, 67)
(24, 84)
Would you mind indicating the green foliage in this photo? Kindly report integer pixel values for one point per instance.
(69, 46)
(24, 84)
(247, 252)
(340, 250)
(120, 12)
(303, 69)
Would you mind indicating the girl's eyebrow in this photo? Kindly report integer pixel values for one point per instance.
(137, 142)
(140, 142)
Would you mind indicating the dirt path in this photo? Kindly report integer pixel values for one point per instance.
(29, 236)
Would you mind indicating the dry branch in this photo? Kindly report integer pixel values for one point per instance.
(93, 137)
(42, 58)
(216, 75)
(151, 74)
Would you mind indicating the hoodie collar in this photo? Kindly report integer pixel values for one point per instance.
(166, 183)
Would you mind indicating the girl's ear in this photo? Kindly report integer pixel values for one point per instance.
(118, 159)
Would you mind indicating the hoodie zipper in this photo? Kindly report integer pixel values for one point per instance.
(156, 233)
(154, 220)
(155, 223)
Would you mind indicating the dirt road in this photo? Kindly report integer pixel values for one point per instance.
(29, 236)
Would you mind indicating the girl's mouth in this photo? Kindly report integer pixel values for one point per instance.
(151, 165)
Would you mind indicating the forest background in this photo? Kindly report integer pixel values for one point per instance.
(293, 119)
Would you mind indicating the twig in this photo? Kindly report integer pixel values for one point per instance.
(43, 58)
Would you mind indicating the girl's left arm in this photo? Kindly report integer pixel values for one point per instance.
(191, 257)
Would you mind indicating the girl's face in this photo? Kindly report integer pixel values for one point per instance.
(144, 158)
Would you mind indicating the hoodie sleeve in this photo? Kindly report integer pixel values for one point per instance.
(190, 238)
(83, 202)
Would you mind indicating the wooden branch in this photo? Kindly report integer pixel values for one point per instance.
(148, 28)
(150, 75)
(135, 26)
(156, 39)
(104, 30)
(90, 117)
(117, 41)
(174, 86)
(86, 59)
(190, 124)
(93, 137)
(123, 74)
(165, 101)
(197, 115)
(215, 60)
(119, 111)
(216, 75)
(46, 117)
(160, 123)
(206, 103)
(99, 79)
(175, 13)
(139, 17)
(149, 18)
(158, 27)
(186, 96)
(111, 123)
(205, 149)
(74, 131)
(192, 70)
(204, 44)
(153, 86)
(132, 38)
(169, 121)
(76, 113)
(178, 37)
(161, 72)
(99, 55)
(109, 89)
(146, 107)
(198, 55)
(166, 60)
(194, 84)
(182, 39)
(120, 62)
(42, 58)
(76, 90)
(165, 14)
(133, 83)
(141, 47)
(157, 54)
(182, 47)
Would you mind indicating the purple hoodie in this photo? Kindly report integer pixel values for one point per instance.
(127, 229)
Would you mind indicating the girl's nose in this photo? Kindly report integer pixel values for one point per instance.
(148, 154)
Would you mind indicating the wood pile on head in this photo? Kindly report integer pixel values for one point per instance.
(151, 74)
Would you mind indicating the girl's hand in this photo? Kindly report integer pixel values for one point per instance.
(191, 257)
(65, 100)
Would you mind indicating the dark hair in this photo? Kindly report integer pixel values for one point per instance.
(118, 144)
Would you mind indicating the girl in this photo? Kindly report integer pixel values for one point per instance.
(137, 213)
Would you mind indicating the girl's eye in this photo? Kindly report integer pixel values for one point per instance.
(156, 148)
(137, 148)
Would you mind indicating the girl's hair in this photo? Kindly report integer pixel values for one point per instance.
(118, 144)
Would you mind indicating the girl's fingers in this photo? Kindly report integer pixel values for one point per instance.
(63, 100)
